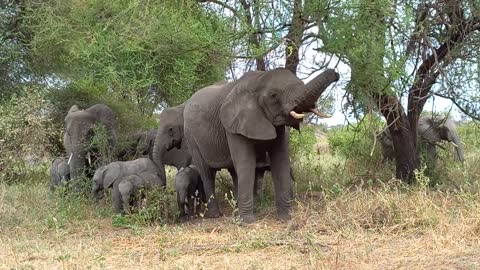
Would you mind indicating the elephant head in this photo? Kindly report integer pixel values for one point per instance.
(433, 129)
(261, 101)
(79, 130)
(103, 178)
(169, 136)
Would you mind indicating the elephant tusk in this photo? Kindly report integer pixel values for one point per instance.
(70, 159)
(320, 114)
(454, 144)
(297, 115)
(89, 159)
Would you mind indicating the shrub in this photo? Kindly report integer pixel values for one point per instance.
(357, 140)
(26, 133)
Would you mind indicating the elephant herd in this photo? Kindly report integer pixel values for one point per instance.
(241, 126)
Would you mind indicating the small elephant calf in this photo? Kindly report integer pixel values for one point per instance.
(132, 189)
(59, 172)
(109, 176)
(189, 187)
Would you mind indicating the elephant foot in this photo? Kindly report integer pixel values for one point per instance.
(247, 219)
(284, 215)
(183, 218)
(212, 213)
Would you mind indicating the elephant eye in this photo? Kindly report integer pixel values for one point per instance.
(273, 95)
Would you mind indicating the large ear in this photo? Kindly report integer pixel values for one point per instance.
(74, 108)
(111, 174)
(241, 113)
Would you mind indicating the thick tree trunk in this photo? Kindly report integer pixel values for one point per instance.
(403, 136)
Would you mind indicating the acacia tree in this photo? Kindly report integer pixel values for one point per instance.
(267, 32)
(145, 52)
(404, 50)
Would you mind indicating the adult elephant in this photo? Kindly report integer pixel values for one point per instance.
(229, 125)
(79, 131)
(169, 147)
(431, 130)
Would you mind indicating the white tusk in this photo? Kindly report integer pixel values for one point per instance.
(89, 159)
(297, 115)
(70, 159)
(454, 144)
(320, 114)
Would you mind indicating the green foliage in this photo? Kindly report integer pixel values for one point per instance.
(159, 208)
(145, 51)
(302, 142)
(26, 133)
(357, 140)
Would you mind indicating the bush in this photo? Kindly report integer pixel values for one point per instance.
(26, 133)
(357, 140)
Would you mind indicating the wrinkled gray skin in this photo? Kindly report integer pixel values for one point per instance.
(189, 186)
(59, 172)
(229, 125)
(169, 147)
(79, 130)
(109, 176)
(132, 189)
(431, 130)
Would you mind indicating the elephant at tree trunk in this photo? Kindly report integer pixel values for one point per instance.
(59, 172)
(189, 189)
(227, 125)
(79, 131)
(109, 176)
(431, 130)
(132, 189)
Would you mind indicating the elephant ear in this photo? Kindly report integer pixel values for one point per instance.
(74, 108)
(111, 174)
(241, 113)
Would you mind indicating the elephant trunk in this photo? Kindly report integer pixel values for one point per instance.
(458, 147)
(158, 152)
(77, 164)
(314, 89)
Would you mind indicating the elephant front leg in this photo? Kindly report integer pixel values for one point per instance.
(243, 156)
(280, 168)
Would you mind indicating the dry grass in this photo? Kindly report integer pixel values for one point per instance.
(374, 228)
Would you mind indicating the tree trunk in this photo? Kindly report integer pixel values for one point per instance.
(403, 137)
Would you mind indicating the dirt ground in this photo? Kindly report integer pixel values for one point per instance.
(221, 244)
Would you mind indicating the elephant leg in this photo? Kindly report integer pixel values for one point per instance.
(208, 179)
(181, 207)
(233, 174)
(258, 185)
(431, 155)
(117, 200)
(280, 167)
(243, 156)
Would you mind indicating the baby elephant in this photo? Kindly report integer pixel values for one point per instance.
(59, 172)
(132, 189)
(189, 187)
(109, 176)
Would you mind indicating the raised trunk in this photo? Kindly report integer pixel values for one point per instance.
(315, 88)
